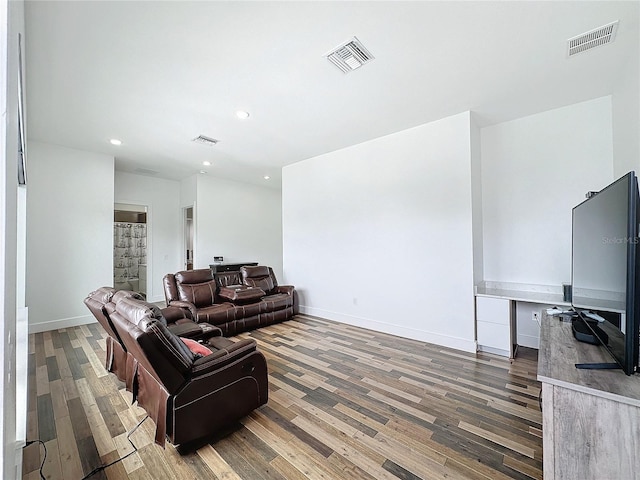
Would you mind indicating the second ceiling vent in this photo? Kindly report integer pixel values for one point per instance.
(591, 39)
(349, 55)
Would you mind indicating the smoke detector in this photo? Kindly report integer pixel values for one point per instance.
(205, 140)
(592, 39)
(349, 56)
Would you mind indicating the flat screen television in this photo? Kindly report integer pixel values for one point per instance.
(605, 277)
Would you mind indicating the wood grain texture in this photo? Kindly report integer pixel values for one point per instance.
(344, 402)
(590, 425)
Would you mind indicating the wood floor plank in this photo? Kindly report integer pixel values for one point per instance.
(46, 418)
(68, 449)
(217, 464)
(344, 402)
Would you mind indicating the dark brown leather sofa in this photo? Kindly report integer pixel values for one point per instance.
(188, 396)
(232, 301)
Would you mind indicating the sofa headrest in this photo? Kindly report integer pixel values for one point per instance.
(136, 311)
(253, 272)
(122, 294)
(102, 295)
(201, 275)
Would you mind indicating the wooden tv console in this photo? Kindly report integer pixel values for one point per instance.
(591, 418)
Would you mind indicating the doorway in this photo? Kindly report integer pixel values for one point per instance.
(188, 238)
(130, 248)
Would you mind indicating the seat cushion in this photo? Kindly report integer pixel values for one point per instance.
(217, 314)
(277, 301)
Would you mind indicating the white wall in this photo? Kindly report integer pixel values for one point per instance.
(241, 222)
(69, 233)
(534, 171)
(476, 192)
(164, 224)
(380, 234)
(626, 118)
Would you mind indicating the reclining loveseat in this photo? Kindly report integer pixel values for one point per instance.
(232, 301)
(190, 389)
(178, 321)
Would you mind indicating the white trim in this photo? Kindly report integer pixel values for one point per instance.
(61, 323)
(392, 329)
(495, 351)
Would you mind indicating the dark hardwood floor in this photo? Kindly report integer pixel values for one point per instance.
(344, 403)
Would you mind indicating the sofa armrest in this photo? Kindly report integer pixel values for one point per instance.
(288, 289)
(191, 329)
(240, 293)
(185, 305)
(174, 313)
(221, 357)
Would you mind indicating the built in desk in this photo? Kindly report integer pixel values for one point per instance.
(496, 323)
(591, 418)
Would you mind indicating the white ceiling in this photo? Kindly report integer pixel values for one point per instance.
(158, 74)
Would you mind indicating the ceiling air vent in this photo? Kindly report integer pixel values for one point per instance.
(205, 140)
(594, 38)
(349, 56)
(145, 171)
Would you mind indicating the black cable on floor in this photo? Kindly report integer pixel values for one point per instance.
(135, 449)
(540, 399)
(44, 447)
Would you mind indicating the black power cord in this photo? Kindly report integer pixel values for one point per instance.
(135, 449)
(44, 447)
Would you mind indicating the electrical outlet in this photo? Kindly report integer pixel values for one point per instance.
(535, 316)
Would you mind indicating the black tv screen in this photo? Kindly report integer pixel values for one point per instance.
(604, 272)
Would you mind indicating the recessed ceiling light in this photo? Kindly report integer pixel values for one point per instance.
(202, 171)
(266, 177)
(115, 141)
(206, 163)
(242, 114)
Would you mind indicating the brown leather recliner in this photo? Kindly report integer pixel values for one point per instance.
(117, 361)
(188, 396)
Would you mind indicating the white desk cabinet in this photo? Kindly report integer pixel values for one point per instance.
(495, 324)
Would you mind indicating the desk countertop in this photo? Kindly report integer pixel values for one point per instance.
(549, 298)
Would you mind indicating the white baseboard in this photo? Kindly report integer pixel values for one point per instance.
(495, 351)
(61, 323)
(393, 329)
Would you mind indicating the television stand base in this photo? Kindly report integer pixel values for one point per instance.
(597, 366)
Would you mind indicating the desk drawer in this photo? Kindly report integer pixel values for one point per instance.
(493, 310)
(494, 336)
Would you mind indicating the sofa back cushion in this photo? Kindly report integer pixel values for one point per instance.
(261, 277)
(200, 294)
(162, 353)
(224, 279)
